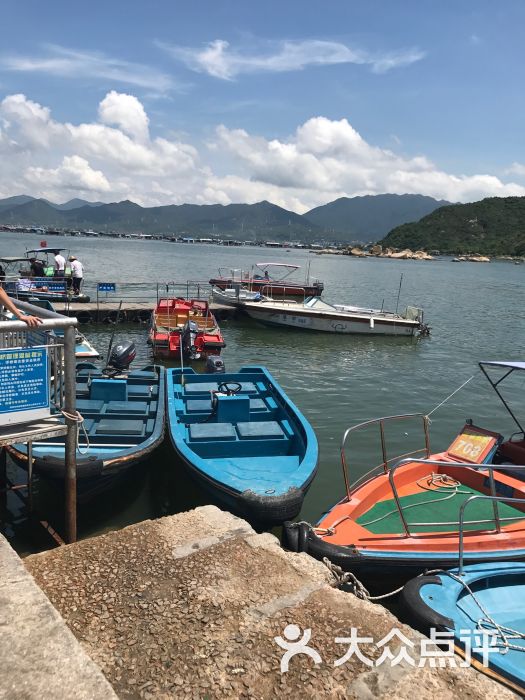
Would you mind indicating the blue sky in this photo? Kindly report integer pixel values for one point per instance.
(295, 102)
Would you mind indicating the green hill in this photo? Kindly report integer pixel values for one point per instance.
(493, 226)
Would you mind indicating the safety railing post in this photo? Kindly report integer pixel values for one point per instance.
(71, 436)
(383, 446)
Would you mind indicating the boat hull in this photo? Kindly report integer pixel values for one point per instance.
(441, 602)
(101, 465)
(271, 288)
(332, 323)
(365, 535)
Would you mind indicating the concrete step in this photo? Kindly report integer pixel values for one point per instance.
(190, 605)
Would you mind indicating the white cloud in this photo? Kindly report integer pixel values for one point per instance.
(219, 60)
(115, 158)
(70, 63)
(74, 173)
(516, 169)
(126, 112)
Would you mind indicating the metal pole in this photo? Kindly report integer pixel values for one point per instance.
(383, 446)
(71, 437)
(3, 482)
(399, 291)
(30, 475)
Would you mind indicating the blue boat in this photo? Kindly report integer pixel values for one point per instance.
(483, 602)
(123, 423)
(242, 438)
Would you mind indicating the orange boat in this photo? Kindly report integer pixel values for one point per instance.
(409, 513)
(185, 327)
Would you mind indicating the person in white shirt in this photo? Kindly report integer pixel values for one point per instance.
(77, 273)
(60, 264)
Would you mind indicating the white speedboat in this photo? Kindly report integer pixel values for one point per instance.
(315, 314)
(234, 296)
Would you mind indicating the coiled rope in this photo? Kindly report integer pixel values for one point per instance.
(436, 482)
(79, 420)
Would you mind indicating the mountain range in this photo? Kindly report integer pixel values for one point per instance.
(356, 219)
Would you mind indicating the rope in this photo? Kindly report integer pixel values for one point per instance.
(450, 396)
(487, 623)
(319, 530)
(347, 578)
(79, 420)
(441, 481)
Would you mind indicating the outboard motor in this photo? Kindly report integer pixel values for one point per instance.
(122, 355)
(215, 365)
(188, 338)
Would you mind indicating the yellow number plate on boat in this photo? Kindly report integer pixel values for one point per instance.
(472, 446)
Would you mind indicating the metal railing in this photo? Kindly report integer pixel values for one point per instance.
(62, 388)
(495, 500)
(490, 468)
(380, 422)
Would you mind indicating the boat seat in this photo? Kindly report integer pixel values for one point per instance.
(200, 387)
(108, 389)
(89, 405)
(88, 371)
(212, 431)
(112, 426)
(261, 429)
(82, 389)
(142, 390)
(138, 407)
(204, 406)
(198, 405)
(143, 374)
(513, 450)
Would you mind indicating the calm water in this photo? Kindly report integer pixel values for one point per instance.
(476, 312)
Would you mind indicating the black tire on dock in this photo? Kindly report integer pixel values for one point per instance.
(83, 317)
(111, 317)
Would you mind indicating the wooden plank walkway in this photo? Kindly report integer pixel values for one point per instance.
(130, 311)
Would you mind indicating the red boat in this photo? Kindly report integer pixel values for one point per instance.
(270, 279)
(185, 327)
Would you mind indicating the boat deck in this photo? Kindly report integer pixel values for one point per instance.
(433, 510)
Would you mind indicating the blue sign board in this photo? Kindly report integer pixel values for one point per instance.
(56, 286)
(107, 287)
(24, 384)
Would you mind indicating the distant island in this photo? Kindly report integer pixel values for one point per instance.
(493, 226)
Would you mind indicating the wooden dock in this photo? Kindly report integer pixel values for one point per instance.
(130, 311)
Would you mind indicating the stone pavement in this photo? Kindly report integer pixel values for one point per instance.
(188, 606)
(39, 657)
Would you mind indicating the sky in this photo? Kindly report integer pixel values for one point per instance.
(294, 102)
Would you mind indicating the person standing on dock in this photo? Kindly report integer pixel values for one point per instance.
(60, 264)
(77, 273)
